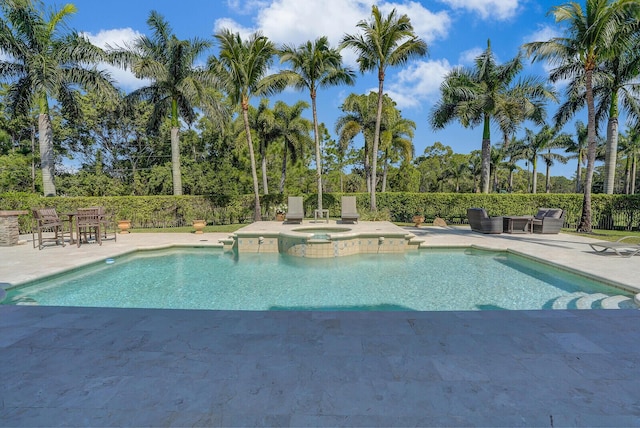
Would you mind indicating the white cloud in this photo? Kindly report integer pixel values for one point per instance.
(468, 57)
(497, 9)
(295, 22)
(542, 34)
(118, 38)
(418, 82)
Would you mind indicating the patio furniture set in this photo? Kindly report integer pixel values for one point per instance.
(546, 220)
(91, 223)
(295, 213)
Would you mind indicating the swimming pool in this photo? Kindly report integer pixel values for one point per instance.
(210, 279)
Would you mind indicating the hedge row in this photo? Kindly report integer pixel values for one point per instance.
(608, 211)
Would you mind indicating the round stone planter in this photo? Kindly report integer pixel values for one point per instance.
(418, 220)
(279, 217)
(124, 226)
(199, 225)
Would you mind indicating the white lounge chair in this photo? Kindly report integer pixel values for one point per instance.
(295, 210)
(621, 248)
(349, 211)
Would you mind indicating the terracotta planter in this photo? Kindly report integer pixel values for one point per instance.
(279, 217)
(124, 226)
(199, 225)
(418, 220)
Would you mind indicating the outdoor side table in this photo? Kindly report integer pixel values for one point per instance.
(323, 214)
(517, 224)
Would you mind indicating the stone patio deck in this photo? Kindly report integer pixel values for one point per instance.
(107, 367)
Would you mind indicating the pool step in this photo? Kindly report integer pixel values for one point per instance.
(566, 302)
(581, 300)
(618, 302)
(590, 301)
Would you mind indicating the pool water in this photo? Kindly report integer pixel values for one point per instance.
(433, 280)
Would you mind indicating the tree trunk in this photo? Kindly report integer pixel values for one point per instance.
(385, 169)
(612, 147)
(263, 167)
(633, 174)
(578, 172)
(548, 180)
(534, 177)
(257, 211)
(485, 177)
(585, 220)
(47, 162)
(175, 161)
(376, 140)
(627, 176)
(316, 138)
(283, 175)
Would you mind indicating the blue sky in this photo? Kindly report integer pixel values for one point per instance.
(456, 31)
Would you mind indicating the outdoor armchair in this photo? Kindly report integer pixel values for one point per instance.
(548, 220)
(349, 212)
(295, 212)
(480, 221)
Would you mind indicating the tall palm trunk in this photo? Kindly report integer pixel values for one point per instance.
(316, 138)
(579, 171)
(376, 140)
(385, 171)
(257, 211)
(263, 167)
(485, 173)
(585, 220)
(175, 161)
(627, 176)
(612, 146)
(634, 165)
(534, 176)
(548, 177)
(47, 165)
(175, 149)
(283, 175)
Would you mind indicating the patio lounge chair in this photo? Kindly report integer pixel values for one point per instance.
(295, 211)
(480, 221)
(47, 220)
(548, 220)
(623, 249)
(349, 212)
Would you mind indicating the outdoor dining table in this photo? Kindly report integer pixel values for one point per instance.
(70, 216)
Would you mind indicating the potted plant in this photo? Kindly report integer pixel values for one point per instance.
(281, 210)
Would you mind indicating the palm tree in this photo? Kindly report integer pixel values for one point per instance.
(631, 148)
(590, 37)
(42, 62)
(177, 86)
(546, 138)
(578, 146)
(385, 41)
(488, 93)
(359, 117)
(294, 132)
(262, 120)
(549, 159)
(315, 65)
(396, 141)
(241, 67)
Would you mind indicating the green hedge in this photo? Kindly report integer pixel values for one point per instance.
(608, 211)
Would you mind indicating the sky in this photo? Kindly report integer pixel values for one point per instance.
(456, 31)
